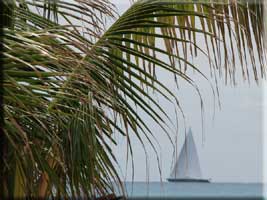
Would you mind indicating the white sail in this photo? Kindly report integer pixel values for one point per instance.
(187, 166)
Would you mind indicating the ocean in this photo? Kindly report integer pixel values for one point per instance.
(190, 190)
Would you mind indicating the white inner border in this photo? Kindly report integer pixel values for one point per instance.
(264, 124)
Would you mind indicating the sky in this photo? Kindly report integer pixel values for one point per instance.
(231, 147)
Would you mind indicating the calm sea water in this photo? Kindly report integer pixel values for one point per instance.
(185, 190)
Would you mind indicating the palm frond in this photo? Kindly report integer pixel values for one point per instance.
(69, 84)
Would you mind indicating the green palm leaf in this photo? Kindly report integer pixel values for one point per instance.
(69, 84)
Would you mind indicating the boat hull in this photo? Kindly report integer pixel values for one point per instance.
(188, 180)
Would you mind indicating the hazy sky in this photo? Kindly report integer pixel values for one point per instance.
(230, 149)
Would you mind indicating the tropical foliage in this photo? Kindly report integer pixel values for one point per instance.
(70, 83)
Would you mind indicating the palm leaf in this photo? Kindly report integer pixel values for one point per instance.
(70, 85)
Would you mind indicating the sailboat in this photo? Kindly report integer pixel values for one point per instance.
(187, 166)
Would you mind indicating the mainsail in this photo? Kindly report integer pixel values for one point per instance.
(187, 166)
